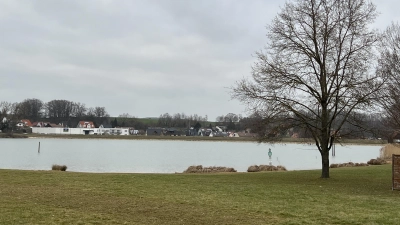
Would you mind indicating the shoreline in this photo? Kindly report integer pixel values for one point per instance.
(190, 138)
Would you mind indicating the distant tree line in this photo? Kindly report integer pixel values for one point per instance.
(70, 113)
(63, 112)
(180, 120)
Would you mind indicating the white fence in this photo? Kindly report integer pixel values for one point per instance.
(82, 131)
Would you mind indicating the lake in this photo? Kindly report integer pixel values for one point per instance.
(162, 156)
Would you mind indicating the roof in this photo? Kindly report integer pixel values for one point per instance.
(27, 122)
(85, 124)
(53, 125)
(39, 124)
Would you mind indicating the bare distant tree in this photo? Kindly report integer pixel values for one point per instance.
(126, 115)
(220, 118)
(5, 109)
(31, 109)
(100, 112)
(315, 67)
(78, 110)
(59, 108)
(165, 120)
(90, 112)
(389, 65)
(231, 117)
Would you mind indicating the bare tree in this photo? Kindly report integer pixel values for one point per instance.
(100, 112)
(315, 67)
(231, 117)
(59, 108)
(220, 118)
(29, 109)
(126, 115)
(165, 120)
(90, 112)
(79, 109)
(389, 65)
(5, 109)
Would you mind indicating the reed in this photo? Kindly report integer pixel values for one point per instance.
(388, 150)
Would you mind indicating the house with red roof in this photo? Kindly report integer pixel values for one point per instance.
(85, 124)
(40, 124)
(24, 123)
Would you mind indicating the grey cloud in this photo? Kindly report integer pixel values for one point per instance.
(144, 57)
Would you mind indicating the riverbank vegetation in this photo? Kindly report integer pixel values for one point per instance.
(389, 150)
(356, 195)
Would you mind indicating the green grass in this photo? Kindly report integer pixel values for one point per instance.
(352, 196)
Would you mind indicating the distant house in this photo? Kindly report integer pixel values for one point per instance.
(54, 125)
(172, 132)
(85, 124)
(220, 128)
(219, 134)
(232, 134)
(191, 132)
(205, 132)
(154, 131)
(24, 123)
(394, 138)
(40, 124)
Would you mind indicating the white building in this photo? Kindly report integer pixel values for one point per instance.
(82, 131)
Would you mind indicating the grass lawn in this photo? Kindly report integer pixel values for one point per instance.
(359, 195)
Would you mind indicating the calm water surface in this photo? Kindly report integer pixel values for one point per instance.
(160, 156)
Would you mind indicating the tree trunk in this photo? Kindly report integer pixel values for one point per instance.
(325, 164)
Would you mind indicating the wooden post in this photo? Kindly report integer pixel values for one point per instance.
(38, 148)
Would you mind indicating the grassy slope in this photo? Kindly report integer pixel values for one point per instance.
(351, 196)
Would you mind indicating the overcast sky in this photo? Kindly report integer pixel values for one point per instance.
(142, 57)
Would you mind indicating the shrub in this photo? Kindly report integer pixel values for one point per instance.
(349, 164)
(59, 167)
(281, 168)
(377, 161)
(211, 169)
(255, 168)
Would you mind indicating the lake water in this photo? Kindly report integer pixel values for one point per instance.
(161, 156)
